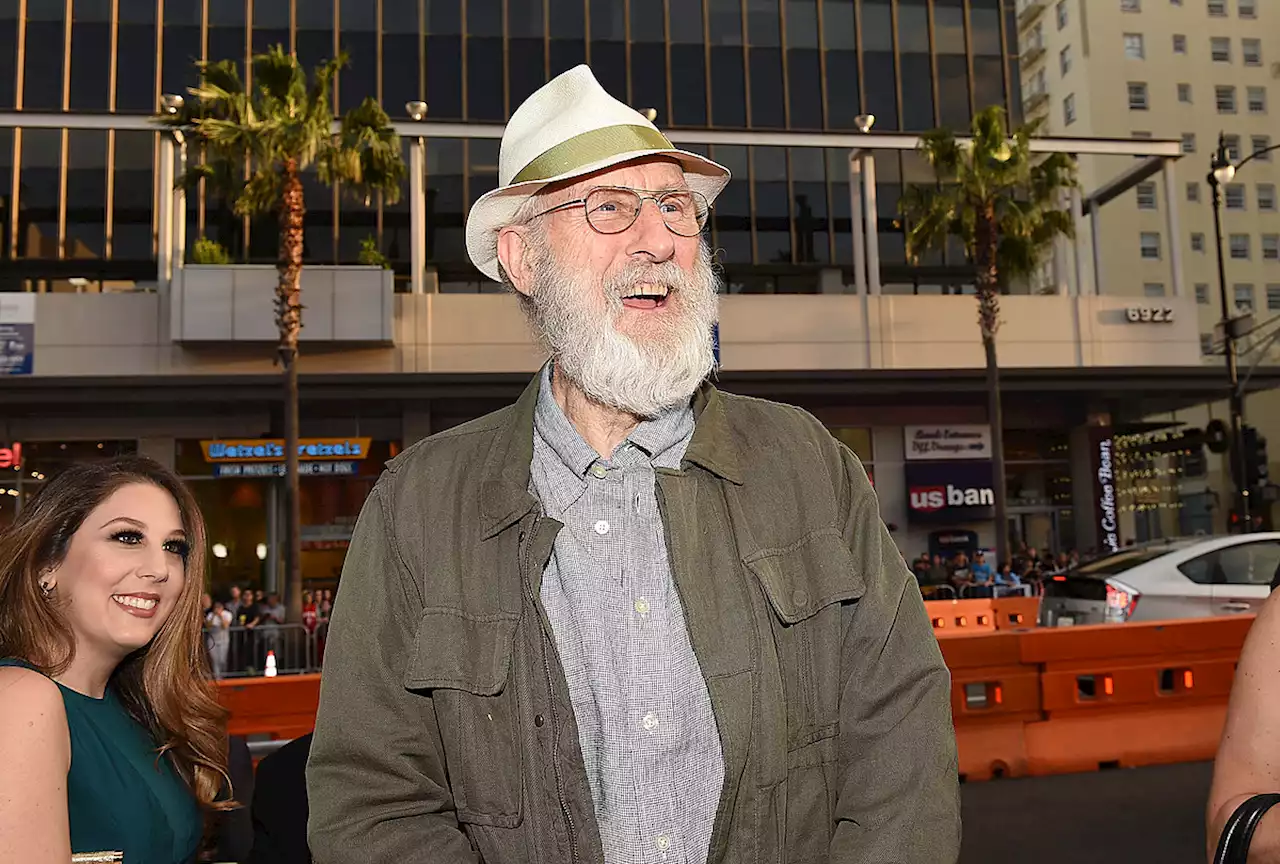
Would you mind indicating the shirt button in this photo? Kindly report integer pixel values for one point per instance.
(663, 842)
(650, 721)
(602, 527)
(642, 606)
(598, 471)
(538, 720)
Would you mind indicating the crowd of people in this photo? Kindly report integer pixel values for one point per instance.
(959, 575)
(242, 625)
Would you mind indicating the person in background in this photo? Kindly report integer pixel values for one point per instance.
(1005, 578)
(980, 570)
(206, 603)
(280, 806)
(232, 605)
(218, 638)
(111, 735)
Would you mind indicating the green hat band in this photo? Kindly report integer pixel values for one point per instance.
(591, 147)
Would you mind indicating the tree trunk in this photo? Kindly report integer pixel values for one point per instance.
(289, 322)
(988, 243)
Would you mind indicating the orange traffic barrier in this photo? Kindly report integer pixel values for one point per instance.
(1015, 612)
(1025, 701)
(280, 707)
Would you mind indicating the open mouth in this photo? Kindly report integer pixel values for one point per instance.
(140, 605)
(646, 297)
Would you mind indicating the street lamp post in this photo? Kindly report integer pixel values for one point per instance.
(1221, 172)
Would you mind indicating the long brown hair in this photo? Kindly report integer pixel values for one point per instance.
(165, 685)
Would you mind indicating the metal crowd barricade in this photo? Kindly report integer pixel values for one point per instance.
(240, 652)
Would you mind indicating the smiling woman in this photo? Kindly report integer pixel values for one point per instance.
(110, 734)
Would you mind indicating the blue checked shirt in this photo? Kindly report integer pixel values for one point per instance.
(648, 735)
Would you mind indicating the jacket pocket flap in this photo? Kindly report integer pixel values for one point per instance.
(459, 651)
(811, 573)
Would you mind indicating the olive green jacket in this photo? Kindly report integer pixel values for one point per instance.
(445, 732)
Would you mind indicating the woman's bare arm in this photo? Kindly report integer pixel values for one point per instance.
(1249, 756)
(35, 754)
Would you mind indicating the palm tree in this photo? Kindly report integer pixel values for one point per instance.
(1003, 204)
(253, 146)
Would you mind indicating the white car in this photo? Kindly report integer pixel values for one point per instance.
(1186, 578)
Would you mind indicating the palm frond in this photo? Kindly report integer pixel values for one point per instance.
(932, 214)
(260, 194)
(366, 156)
(942, 151)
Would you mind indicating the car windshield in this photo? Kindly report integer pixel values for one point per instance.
(1121, 561)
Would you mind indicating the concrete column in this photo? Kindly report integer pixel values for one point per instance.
(1096, 231)
(855, 225)
(1077, 242)
(159, 449)
(1082, 494)
(417, 215)
(1175, 230)
(872, 227)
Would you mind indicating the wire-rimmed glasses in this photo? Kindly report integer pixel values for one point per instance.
(614, 209)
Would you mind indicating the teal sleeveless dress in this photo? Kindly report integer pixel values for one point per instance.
(119, 798)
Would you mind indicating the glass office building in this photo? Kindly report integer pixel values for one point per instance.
(78, 209)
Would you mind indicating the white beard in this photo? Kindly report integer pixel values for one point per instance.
(641, 378)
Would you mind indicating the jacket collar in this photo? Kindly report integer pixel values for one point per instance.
(504, 480)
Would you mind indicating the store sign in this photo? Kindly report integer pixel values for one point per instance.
(1105, 508)
(17, 333)
(276, 469)
(947, 442)
(960, 492)
(240, 450)
(11, 455)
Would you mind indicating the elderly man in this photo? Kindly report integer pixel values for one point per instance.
(629, 618)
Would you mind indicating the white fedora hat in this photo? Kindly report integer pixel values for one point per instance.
(570, 127)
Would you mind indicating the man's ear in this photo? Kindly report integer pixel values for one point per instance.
(513, 255)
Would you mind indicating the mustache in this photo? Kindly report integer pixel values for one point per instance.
(668, 274)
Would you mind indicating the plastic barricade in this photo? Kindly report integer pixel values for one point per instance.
(280, 707)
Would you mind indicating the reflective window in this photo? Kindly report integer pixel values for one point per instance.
(90, 55)
(181, 46)
(136, 56)
(568, 47)
(608, 46)
(917, 68)
(773, 206)
(132, 191)
(446, 203)
(728, 101)
(38, 181)
(984, 27)
(733, 208)
(767, 100)
(484, 60)
(725, 20)
(44, 50)
(358, 36)
(400, 56)
(482, 167)
(443, 59)
(314, 36)
(357, 222)
(86, 193)
(396, 234)
(878, 65)
(839, 39)
(271, 27)
(648, 61)
(837, 163)
(804, 77)
(6, 195)
(8, 52)
(227, 31)
(526, 53)
(809, 205)
(953, 68)
(688, 66)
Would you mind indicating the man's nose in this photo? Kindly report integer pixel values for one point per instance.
(649, 234)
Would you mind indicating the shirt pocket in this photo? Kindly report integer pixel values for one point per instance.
(806, 583)
(465, 661)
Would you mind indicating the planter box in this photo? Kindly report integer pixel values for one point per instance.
(236, 303)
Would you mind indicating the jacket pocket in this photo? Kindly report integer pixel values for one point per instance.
(465, 662)
(806, 583)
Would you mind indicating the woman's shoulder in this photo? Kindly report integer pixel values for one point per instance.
(34, 714)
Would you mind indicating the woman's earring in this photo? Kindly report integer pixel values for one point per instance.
(46, 588)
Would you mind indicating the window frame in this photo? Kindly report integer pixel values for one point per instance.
(1143, 246)
(1144, 104)
(1224, 98)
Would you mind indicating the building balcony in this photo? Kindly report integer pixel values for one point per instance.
(1032, 53)
(1029, 11)
(129, 334)
(1033, 103)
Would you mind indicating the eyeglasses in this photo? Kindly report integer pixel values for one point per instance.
(614, 209)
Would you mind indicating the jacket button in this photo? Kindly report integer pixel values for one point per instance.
(800, 598)
(538, 721)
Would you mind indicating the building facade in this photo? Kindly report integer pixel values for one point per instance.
(1191, 70)
(117, 342)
